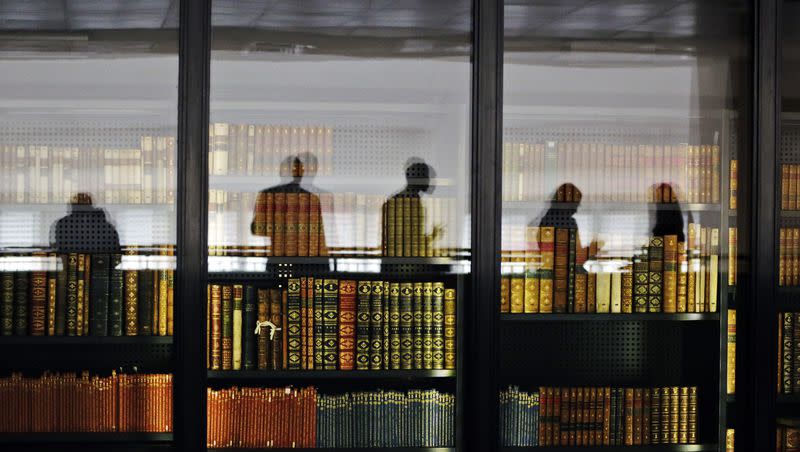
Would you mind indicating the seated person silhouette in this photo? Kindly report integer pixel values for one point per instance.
(399, 238)
(667, 217)
(290, 215)
(86, 229)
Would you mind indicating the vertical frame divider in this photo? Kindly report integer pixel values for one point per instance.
(189, 394)
(481, 319)
(758, 312)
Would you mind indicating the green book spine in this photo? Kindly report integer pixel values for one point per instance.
(406, 325)
(394, 325)
(416, 328)
(655, 276)
(573, 233)
(227, 328)
(294, 341)
(319, 327)
(116, 293)
(100, 294)
(249, 346)
(386, 348)
(61, 296)
(7, 305)
(363, 325)
(331, 324)
(144, 314)
(427, 326)
(376, 327)
(787, 354)
(437, 326)
(641, 285)
(20, 303)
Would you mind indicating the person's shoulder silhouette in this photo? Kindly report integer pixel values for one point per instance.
(561, 214)
(668, 216)
(84, 229)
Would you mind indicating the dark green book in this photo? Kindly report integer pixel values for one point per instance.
(144, 313)
(249, 346)
(116, 294)
(573, 233)
(416, 326)
(227, 328)
(319, 328)
(427, 326)
(376, 326)
(7, 305)
(655, 416)
(61, 295)
(394, 325)
(20, 303)
(788, 353)
(641, 282)
(331, 324)
(612, 430)
(386, 321)
(363, 318)
(294, 324)
(406, 325)
(655, 269)
(437, 326)
(98, 325)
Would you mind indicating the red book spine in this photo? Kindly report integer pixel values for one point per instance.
(347, 324)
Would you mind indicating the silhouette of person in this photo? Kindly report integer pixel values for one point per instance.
(86, 229)
(562, 214)
(668, 217)
(272, 206)
(413, 240)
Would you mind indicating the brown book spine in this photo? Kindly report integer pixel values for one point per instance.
(628, 417)
(692, 415)
(51, 299)
(591, 283)
(279, 225)
(347, 324)
(131, 302)
(581, 277)
(314, 225)
(562, 438)
(303, 201)
(606, 416)
(276, 316)
(292, 219)
(646, 424)
(269, 223)
(505, 295)
(560, 268)
(637, 416)
(670, 279)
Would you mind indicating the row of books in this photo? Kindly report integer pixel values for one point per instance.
(729, 440)
(788, 439)
(302, 417)
(560, 275)
(49, 174)
(266, 149)
(68, 402)
(598, 416)
(790, 187)
(331, 324)
(301, 223)
(789, 257)
(86, 295)
(612, 172)
(789, 352)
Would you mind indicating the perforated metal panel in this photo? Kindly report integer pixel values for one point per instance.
(81, 132)
(366, 150)
(593, 133)
(143, 357)
(790, 143)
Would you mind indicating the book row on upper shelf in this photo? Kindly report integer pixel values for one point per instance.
(301, 223)
(789, 257)
(604, 416)
(292, 417)
(790, 186)
(614, 172)
(92, 294)
(331, 324)
(53, 174)
(789, 353)
(560, 275)
(788, 439)
(67, 402)
(263, 149)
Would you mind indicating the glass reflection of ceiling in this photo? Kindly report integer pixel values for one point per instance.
(73, 15)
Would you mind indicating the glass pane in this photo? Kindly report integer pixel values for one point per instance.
(788, 322)
(87, 215)
(338, 215)
(623, 126)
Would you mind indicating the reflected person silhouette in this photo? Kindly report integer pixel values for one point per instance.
(86, 229)
(289, 214)
(667, 217)
(404, 217)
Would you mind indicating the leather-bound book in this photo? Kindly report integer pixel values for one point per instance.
(627, 290)
(314, 225)
(683, 415)
(376, 326)
(449, 328)
(532, 262)
(319, 324)
(692, 416)
(666, 407)
(363, 325)
(406, 325)
(505, 295)
(131, 298)
(655, 274)
(427, 325)
(560, 270)
(277, 317)
(628, 417)
(347, 324)
(116, 296)
(263, 352)
(581, 278)
(294, 322)
(683, 279)
(386, 339)
(38, 300)
(517, 294)
(637, 416)
(330, 323)
(670, 275)
(292, 216)
(303, 201)
(437, 325)
(236, 324)
(546, 271)
(641, 285)
(144, 296)
(279, 224)
(646, 424)
(52, 283)
(216, 327)
(309, 328)
(100, 294)
(394, 325)
(674, 414)
(7, 305)
(250, 315)
(80, 294)
(571, 258)
(227, 327)
(416, 328)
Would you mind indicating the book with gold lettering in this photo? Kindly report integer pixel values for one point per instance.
(294, 322)
(216, 327)
(279, 224)
(641, 285)
(560, 270)
(347, 324)
(376, 326)
(517, 294)
(670, 276)
(393, 299)
(505, 294)
(407, 325)
(546, 271)
(363, 318)
(532, 261)
(655, 256)
(303, 211)
(449, 328)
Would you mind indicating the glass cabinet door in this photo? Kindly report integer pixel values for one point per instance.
(623, 126)
(338, 222)
(788, 175)
(87, 220)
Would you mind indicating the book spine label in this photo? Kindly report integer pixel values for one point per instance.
(347, 324)
(331, 324)
(294, 323)
(376, 326)
(449, 328)
(363, 325)
(394, 326)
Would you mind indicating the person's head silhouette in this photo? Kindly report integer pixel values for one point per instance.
(566, 207)
(292, 169)
(419, 175)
